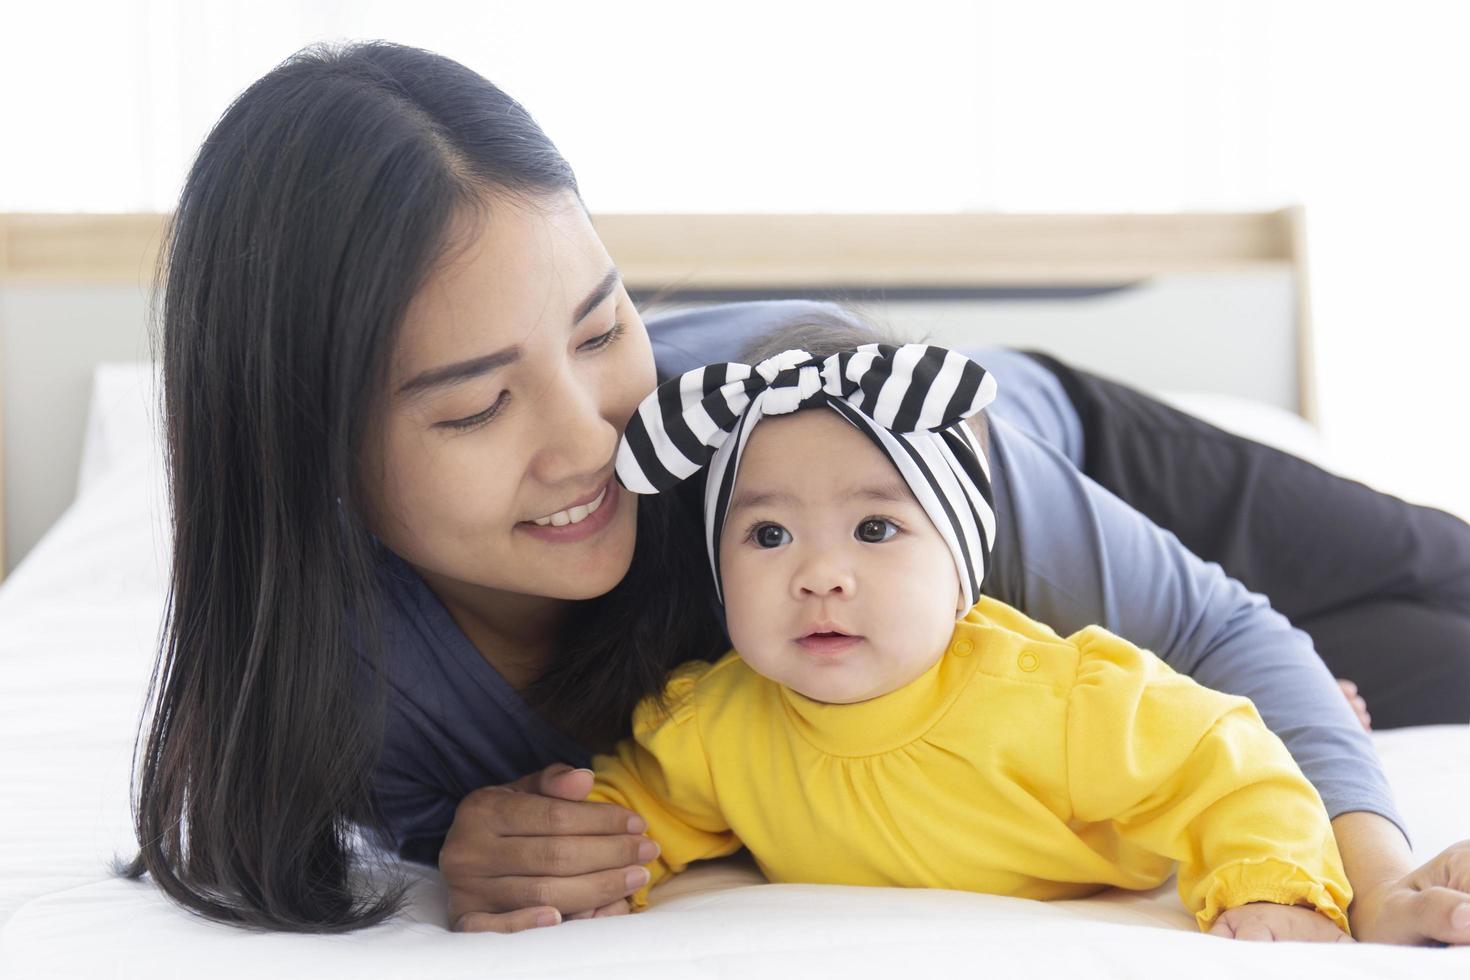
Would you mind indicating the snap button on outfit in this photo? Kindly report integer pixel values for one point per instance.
(1028, 661)
(962, 648)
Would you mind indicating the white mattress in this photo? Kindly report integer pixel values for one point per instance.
(78, 624)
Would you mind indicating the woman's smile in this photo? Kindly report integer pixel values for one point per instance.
(566, 526)
(576, 512)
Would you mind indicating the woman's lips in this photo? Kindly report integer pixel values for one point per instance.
(593, 523)
(828, 643)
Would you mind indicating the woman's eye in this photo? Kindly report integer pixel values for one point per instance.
(604, 340)
(873, 530)
(769, 535)
(479, 418)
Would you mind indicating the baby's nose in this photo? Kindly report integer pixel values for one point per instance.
(825, 577)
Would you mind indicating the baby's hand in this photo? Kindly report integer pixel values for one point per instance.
(1268, 922)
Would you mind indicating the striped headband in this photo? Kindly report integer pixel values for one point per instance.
(908, 400)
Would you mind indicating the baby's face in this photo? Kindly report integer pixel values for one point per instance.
(836, 583)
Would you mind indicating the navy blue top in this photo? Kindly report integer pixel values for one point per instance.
(1067, 553)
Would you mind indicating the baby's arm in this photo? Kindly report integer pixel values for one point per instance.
(1194, 775)
(662, 774)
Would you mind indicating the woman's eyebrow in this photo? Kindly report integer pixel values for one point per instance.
(599, 293)
(451, 374)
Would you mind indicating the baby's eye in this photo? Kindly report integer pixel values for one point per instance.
(769, 535)
(873, 530)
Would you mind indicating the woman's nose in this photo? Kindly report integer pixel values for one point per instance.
(576, 440)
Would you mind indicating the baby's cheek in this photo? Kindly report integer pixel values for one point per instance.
(929, 611)
(741, 605)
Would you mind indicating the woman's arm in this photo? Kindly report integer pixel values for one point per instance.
(1393, 901)
(1070, 554)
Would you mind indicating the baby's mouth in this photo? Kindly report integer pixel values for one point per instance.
(827, 641)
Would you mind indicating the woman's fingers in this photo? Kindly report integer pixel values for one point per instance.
(563, 783)
(568, 856)
(514, 856)
(507, 813)
(1444, 915)
(1430, 904)
(1454, 866)
(572, 895)
(504, 894)
(620, 907)
(517, 921)
(1355, 700)
(1443, 900)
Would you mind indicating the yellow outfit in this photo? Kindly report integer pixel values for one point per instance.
(1020, 764)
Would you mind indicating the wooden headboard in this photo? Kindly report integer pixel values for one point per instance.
(705, 257)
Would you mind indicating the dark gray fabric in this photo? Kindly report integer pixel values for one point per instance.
(1382, 586)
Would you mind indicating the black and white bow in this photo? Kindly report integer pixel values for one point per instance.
(909, 400)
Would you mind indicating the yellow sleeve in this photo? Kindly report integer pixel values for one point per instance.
(662, 774)
(1195, 775)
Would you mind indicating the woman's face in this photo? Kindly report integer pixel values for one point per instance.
(517, 366)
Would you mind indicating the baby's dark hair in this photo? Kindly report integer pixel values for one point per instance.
(827, 329)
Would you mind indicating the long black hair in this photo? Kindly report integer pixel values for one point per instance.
(310, 217)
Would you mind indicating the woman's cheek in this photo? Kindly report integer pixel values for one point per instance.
(428, 480)
(481, 486)
(635, 372)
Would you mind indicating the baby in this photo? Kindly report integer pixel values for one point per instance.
(879, 722)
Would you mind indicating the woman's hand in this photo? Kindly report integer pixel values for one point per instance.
(1428, 905)
(1267, 922)
(1356, 702)
(527, 853)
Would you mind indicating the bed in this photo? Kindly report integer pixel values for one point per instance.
(78, 627)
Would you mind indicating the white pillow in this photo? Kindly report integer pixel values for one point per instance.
(124, 420)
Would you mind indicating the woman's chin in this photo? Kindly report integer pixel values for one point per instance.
(574, 570)
(598, 575)
(586, 587)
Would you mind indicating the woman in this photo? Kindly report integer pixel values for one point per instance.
(405, 592)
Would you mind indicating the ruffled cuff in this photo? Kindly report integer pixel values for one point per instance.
(1270, 880)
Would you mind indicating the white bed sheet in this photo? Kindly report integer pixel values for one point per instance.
(78, 626)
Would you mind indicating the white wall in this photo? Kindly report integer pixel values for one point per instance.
(1214, 334)
(51, 339)
(1353, 108)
